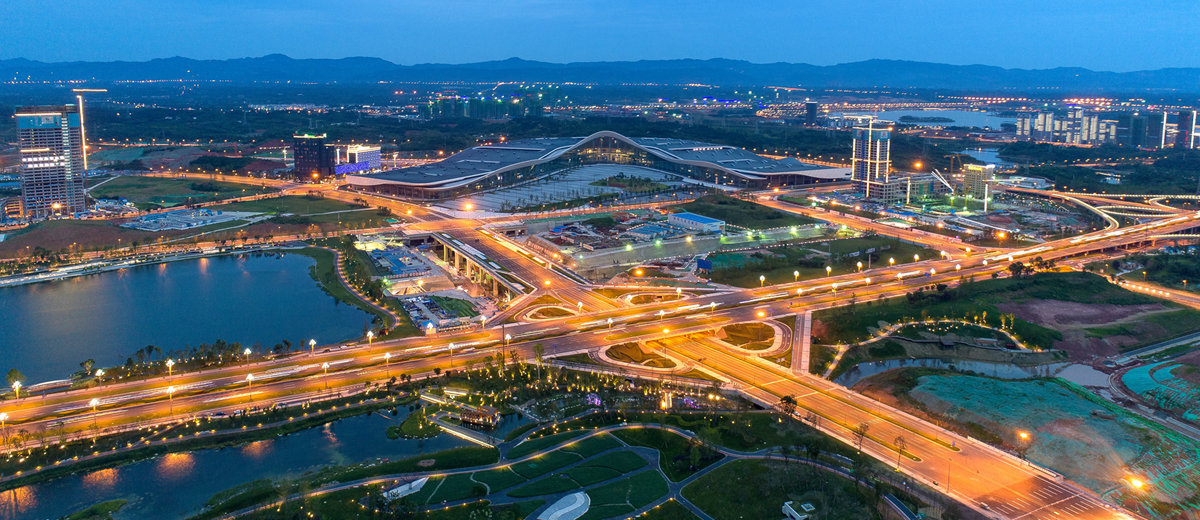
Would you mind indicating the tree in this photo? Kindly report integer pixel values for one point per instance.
(901, 444)
(1017, 269)
(87, 366)
(14, 376)
(860, 432)
(788, 404)
(539, 351)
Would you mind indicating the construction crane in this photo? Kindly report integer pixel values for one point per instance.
(82, 130)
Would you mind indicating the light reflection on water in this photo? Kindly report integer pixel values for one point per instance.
(175, 466)
(15, 502)
(101, 480)
(257, 449)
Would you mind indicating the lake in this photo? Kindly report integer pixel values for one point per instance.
(50, 327)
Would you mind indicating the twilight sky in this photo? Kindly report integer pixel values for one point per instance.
(1119, 35)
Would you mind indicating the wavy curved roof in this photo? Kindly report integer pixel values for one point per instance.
(480, 161)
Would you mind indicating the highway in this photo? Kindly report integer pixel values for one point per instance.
(969, 470)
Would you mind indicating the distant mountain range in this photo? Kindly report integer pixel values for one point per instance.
(871, 73)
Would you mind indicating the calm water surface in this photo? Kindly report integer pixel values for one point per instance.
(48, 328)
(178, 485)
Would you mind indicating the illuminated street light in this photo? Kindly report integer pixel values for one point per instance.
(3, 417)
(170, 364)
(957, 267)
(916, 258)
(795, 276)
(325, 377)
(16, 386)
(387, 369)
(828, 270)
(312, 344)
(892, 261)
(610, 323)
(99, 375)
(508, 337)
(94, 403)
(247, 354)
(761, 280)
(370, 336)
(1136, 483)
(579, 305)
(799, 291)
(451, 354)
(860, 266)
(661, 313)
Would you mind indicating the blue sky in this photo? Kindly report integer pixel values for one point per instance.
(1099, 34)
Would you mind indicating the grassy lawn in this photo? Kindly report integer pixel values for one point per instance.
(753, 336)
(679, 457)
(756, 489)
(669, 510)
(155, 192)
(983, 299)
(456, 487)
(742, 213)
(462, 308)
(342, 505)
(556, 483)
(633, 353)
(61, 235)
(625, 495)
(592, 445)
(305, 211)
(632, 184)
(781, 263)
(544, 464)
(499, 478)
(541, 443)
(483, 509)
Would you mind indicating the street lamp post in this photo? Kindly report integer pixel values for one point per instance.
(860, 266)
(370, 336)
(170, 364)
(508, 337)
(451, 346)
(16, 386)
(3, 418)
(828, 270)
(795, 276)
(249, 386)
(312, 345)
(387, 367)
(94, 403)
(99, 375)
(171, 398)
(325, 377)
(761, 280)
(247, 354)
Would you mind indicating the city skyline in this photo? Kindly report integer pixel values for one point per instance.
(1024, 35)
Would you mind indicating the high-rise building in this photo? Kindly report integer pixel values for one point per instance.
(50, 140)
(871, 157)
(978, 179)
(1156, 130)
(811, 109)
(1043, 127)
(1185, 130)
(313, 159)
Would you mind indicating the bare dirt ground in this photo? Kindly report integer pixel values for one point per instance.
(1073, 319)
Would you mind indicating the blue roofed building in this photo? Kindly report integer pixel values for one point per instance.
(696, 222)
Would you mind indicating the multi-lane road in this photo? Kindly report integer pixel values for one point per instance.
(979, 475)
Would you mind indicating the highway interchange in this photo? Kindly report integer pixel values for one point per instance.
(992, 481)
